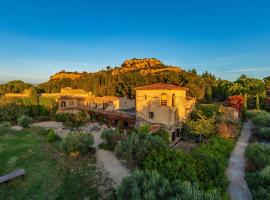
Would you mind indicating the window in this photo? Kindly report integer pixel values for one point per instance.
(63, 104)
(173, 100)
(151, 115)
(163, 99)
(71, 103)
(173, 136)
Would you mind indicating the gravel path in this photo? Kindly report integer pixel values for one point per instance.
(109, 161)
(238, 188)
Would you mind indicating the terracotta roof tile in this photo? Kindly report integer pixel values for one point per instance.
(161, 86)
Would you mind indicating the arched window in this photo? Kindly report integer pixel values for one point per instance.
(63, 104)
(164, 99)
(173, 100)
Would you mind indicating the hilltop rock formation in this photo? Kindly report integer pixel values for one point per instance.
(68, 75)
(144, 66)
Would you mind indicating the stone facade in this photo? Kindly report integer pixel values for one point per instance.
(108, 103)
(163, 104)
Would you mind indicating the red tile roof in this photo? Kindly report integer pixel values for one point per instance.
(161, 86)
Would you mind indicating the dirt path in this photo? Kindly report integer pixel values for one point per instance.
(238, 188)
(109, 161)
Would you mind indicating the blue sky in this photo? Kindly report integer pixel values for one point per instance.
(39, 38)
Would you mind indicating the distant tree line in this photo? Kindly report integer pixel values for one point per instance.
(205, 87)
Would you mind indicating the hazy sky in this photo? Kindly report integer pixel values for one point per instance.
(225, 37)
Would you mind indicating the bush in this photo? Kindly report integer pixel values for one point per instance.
(72, 120)
(264, 133)
(112, 137)
(227, 130)
(137, 146)
(25, 121)
(172, 164)
(4, 127)
(151, 185)
(11, 109)
(77, 142)
(204, 127)
(163, 134)
(259, 184)
(260, 118)
(258, 155)
(51, 136)
(207, 110)
(211, 161)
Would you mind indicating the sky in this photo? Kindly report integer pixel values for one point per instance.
(225, 37)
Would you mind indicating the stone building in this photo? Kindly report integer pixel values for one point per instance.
(165, 105)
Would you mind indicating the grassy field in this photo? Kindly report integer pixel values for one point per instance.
(49, 173)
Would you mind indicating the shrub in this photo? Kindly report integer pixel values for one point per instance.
(137, 146)
(260, 118)
(258, 155)
(11, 109)
(259, 184)
(211, 161)
(51, 136)
(25, 121)
(236, 101)
(204, 127)
(77, 142)
(4, 127)
(207, 110)
(112, 137)
(227, 130)
(163, 134)
(151, 185)
(264, 133)
(172, 164)
(73, 120)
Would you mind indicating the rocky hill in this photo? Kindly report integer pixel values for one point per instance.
(143, 66)
(68, 75)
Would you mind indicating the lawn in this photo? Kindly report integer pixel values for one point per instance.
(49, 173)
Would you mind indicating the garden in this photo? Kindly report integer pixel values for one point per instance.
(258, 155)
(55, 168)
(163, 173)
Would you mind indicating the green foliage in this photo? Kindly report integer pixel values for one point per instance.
(259, 184)
(112, 137)
(137, 146)
(16, 86)
(5, 127)
(50, 174)
(11, 109)
(77, 142)
(260, 118)
(151, 185)
(211, 162)
(51, 136)
(205, 127)
(25, 121)
(73, 120)
(172, 164)
(208, 93)
(163, 134)
(263, 132)
(207, 110)
(258, 155)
